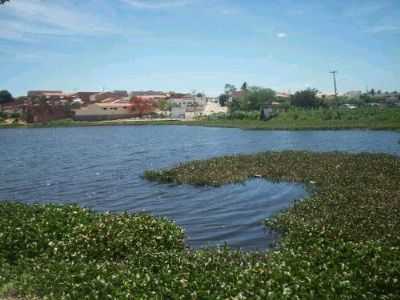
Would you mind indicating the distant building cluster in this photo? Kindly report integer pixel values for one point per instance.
(41, 106)
(47, 105)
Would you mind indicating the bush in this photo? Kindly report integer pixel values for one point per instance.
(306, 99)
(244, 115)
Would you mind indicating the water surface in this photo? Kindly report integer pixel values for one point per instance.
(102, 168)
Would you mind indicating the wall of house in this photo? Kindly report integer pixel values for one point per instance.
(96, 112)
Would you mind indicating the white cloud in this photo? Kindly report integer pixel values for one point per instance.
(24, 20)
(230, 11)
(156, 4)
(281, 35)
(383, 28)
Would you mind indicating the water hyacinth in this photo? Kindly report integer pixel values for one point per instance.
(340, 243)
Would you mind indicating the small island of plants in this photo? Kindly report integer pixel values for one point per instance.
(340, 243)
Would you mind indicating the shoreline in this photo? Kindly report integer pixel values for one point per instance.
(240, 124)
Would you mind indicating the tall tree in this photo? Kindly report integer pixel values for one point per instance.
(244, 86)
(306, 99)
(229, 89)
(223, 99)
(5, 97)
(253, 99)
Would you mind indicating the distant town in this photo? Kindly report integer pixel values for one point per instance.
(42, 106)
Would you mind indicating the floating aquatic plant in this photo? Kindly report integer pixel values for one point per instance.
(340, 243)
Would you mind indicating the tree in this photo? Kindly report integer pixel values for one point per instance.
(223, 99)
(164, 105)
(258, 97)
(3, 1)
(142, 106)
(244, 86)
(306, 99)
(5, 97)
(229, 89)
(254, 99)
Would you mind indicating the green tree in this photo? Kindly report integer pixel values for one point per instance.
(306, 99)
(260, 97)
(223, 99)
(244, 86)
(229, 89)
(5, 97)
(164, 105)
(3, 1)
(253, 99)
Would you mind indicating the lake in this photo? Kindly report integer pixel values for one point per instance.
(102, 167)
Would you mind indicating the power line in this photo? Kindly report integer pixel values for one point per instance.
(334, 82)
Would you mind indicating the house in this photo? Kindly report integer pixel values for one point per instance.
(182, 101)
(188, 101)
(104, 111)
(235, 95)
(283, 95)
(44, 93)
(178, 112)
(44, 111)
(84, 96)
(11, 107)
(99, 97)
(149, 95)
(193, 112)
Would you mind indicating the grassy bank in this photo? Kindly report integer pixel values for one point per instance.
(341, 243)
(366, 118)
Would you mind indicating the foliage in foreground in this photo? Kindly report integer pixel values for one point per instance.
(342, 243)
(341, 234)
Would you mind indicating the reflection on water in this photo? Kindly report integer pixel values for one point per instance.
(101, 168)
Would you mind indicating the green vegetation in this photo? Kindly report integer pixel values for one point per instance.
(252, 98)
(341, 243)
(5, 97)
(293, 119)
(72, 253)
(306, 99)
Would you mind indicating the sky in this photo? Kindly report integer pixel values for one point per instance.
(187, 45)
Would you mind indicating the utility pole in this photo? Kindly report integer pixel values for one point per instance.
(334, 82)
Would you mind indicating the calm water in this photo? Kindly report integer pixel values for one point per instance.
(101, 168)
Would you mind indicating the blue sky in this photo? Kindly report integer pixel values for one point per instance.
(186, 45)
